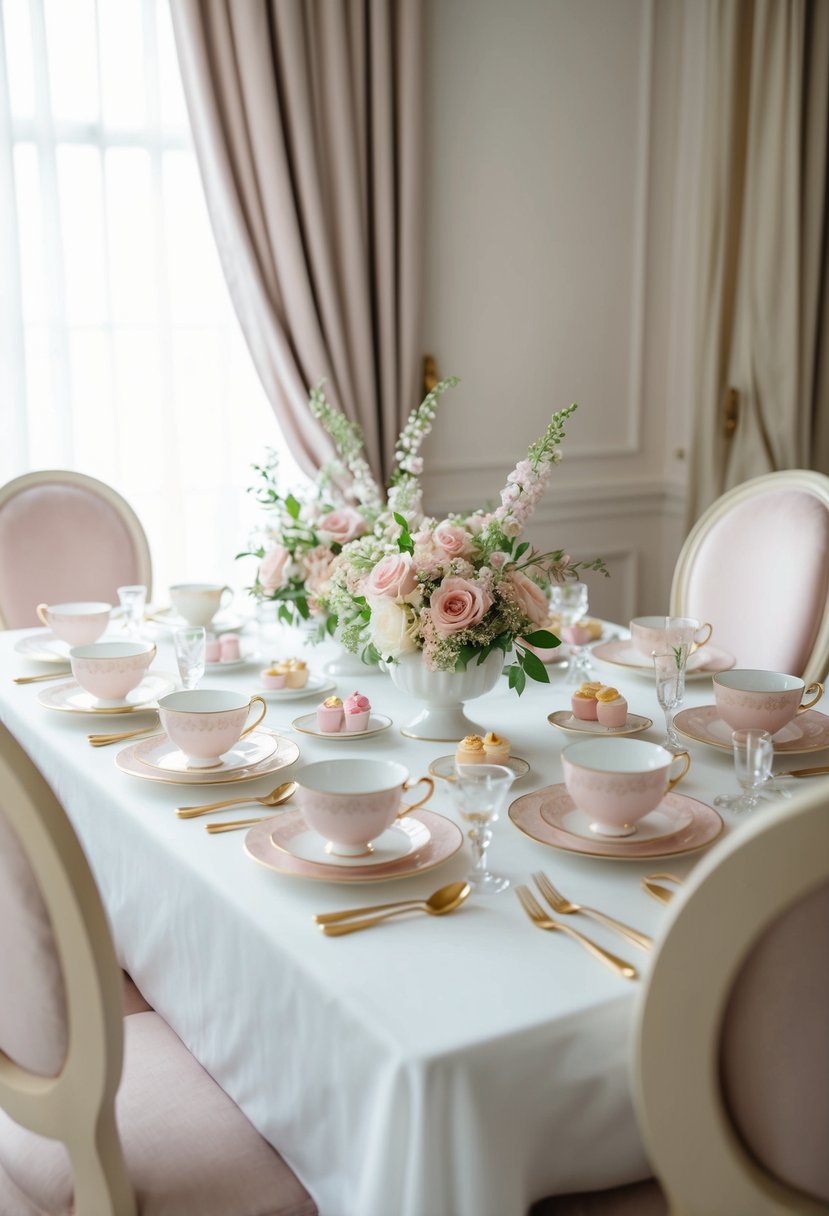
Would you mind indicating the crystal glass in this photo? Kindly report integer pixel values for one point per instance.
(569, 602)
(480, 791)
(190, 645)
(753, 758)
(669, 669)
(132, 600)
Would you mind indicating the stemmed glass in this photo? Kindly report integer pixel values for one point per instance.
(753, 758)
(569, 602)
(190, 646)
(669, 669)
(480, 791)
(132, 600)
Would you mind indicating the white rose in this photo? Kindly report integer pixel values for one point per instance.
(391, 631)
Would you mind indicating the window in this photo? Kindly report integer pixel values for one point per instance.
(121, 354)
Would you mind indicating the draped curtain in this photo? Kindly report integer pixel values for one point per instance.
(307, 120)
(762, 394)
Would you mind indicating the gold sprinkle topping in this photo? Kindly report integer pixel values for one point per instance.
(608, 694)
(492, 739)
(332, 703)
(472, 743)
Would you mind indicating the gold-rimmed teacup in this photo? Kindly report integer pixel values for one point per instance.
(206, 723)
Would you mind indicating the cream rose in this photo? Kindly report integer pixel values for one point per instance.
(530, 598)
(272, 572)
(392, 632)
(458, 604)
(452, 539)
(341, 526)
(393, 577)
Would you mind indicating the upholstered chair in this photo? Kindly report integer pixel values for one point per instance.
(756, 566)
(101, 1114)
(65, 536)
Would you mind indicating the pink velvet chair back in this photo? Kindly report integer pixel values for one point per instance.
(64, 537)
(756, 566)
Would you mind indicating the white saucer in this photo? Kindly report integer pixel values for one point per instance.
(706, 661)
(307, 725)
(316, 685)
(45, 647)
(808, 732)
(397, 842)
(223, 622)
(167, 757)
(565, 720)
(71, 698)
(444, 767)
(130, 760)
(230, 665)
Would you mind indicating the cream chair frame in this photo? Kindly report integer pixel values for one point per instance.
(77, 1106)
(749, 880)
(66, 477)
(813, 483)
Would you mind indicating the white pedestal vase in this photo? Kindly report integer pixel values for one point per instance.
(442, 718)
(347, 666)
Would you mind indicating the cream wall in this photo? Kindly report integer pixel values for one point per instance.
(557, 269)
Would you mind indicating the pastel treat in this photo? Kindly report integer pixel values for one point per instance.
(296, 673)
(273, 676)
(496, 748)
(229, 648)
(470, 750)
(212, 650)
(611, 707)
(357, 712)
(576, 635)
(330, 716)
(583, 702)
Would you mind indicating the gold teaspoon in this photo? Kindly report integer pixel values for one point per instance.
(51, 675)
(104, 739)
(281, 794)
(441, 902)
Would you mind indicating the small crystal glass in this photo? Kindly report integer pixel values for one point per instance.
(753, 758)
(480, 791)
(132, 600)
(669, 670)
(569, 601)
(190, 646)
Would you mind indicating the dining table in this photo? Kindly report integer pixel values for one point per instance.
(462, 1065)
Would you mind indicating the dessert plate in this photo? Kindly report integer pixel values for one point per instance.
(316, 685)
(307, 725)
(402, 838)
(444, 767)
(164, 755)
(808, 732)
(271, 842)
(704, 662)
(223, 622)
(131, 759)
(71, 698)
(679, 825)
(565, 720)
(231, 664)
(45, 647)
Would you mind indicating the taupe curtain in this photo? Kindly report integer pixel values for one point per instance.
(307, 118)
(763, 325)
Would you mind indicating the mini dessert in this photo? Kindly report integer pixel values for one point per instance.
(576, 635)
(212, 650)
(296, 673)
(470, 750)
(273, 676)
(583, 702)
(357, 712)
(330, 716)
(229, 646)
(496, 748)
(594, 628)
(611, 707)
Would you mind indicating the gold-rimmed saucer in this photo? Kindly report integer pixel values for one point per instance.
(129, 760)
(159, 752)
(444, 767)
(404, 837)
(71, 698)
(306, 724)
(705, 662)
(808, 732)
(565, 720)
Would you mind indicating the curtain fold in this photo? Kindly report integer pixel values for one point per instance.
(763, 323)
(307, 119)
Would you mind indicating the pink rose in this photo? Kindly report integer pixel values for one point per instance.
(272, 569)
(453, 540)
(458, 604)
(530, 598)
(341, 526)
(393, 576)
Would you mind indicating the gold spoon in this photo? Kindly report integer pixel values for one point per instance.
(281, 794)
(51, 675)
(651, 885)
(440, 902)
(232, 824)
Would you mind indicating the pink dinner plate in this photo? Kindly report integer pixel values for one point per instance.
(706, 661)
(679, 825)
(808, 732)
(281, 844)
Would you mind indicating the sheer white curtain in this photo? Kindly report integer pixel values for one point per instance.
(120, 354)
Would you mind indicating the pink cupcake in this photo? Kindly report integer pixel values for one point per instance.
(583, 702)
(611, 707)
(229, 646)
(273, 677)
(357, 712)
(212, 650)
(330, 716)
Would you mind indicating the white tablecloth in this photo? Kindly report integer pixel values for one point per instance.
(462, 1066)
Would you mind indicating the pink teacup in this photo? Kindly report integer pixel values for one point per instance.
(109, 670)
(205, 723)
(763, 700)
(351, 802)
(619, 781)
(651, 634)
(198, 603)
(78, 624)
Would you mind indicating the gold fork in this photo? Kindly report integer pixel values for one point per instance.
(539, 918)
(559, 903)
(51, 675)
(107, 737)
(650, 883)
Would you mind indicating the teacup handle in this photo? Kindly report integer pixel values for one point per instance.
(698, 645)
(409, 785)
(672, 781)
(41, 611)
(223, 603)
(815, 685)
(254, 725)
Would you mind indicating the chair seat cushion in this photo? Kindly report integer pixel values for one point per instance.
(132, 1000)
(637, 1199)
(189, 1149)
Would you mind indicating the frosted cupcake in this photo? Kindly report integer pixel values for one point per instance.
(611, 707)
(229, 648)
(296, 674)
(330, 716)
(272, 677)
(470, 750)
(357, 712)
(496, 748)
(583, 702)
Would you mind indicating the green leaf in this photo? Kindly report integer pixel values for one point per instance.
(292, 506)
(302, 607)
(534, 667)
(521, 550)
(543, 639)
(517, 678)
